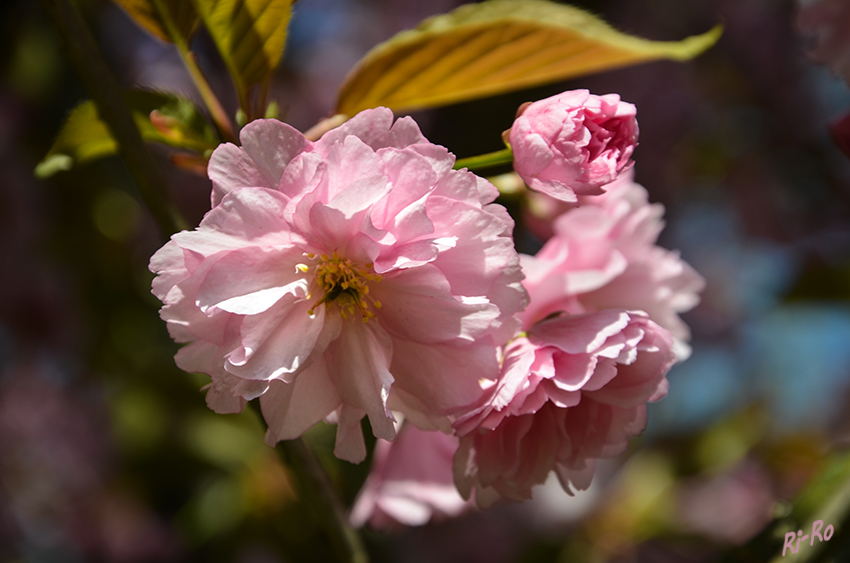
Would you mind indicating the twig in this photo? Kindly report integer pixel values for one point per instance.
(317, 492)
(222, 121)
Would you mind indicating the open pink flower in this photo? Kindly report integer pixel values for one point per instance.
(573, 143)
(603, 256)
(410, 481)
(572, 391)
(348, 277)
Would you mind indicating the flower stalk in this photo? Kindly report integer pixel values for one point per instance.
(319, 494)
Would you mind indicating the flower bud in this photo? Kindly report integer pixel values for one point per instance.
(573, 143)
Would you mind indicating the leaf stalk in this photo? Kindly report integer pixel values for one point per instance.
(489, 160)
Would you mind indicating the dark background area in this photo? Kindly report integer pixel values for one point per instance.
(108, 452)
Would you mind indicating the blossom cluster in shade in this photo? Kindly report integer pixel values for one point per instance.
(410, 482)
(360, 275)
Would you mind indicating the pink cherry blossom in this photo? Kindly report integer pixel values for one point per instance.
(604, 300)
(829, 22)
(342, 278)
(603, 256)
(572, 391)
(573, 143)
(410, 481)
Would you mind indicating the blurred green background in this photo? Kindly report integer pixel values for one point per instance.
(108, 452)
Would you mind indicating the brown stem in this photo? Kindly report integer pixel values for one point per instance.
(223, 123)
(316, 491)
(319, 493)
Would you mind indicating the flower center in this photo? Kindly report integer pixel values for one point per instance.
(346, 284)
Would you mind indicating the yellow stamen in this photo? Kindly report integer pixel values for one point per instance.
(345, 283)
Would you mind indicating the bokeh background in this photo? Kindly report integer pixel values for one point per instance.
(108, 452)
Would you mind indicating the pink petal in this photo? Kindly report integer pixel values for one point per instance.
(272, 144)
(350, 445)
(290, 409)
(230, 168)
(438, 375)
(579, 334)
(267, 147)
(250, 280)
(277, 344)
(358, 363)
(410, 480)
(169, 264)
(375, 128)
(573, 371)
(418, 306)
(245, 215)
(410, 171)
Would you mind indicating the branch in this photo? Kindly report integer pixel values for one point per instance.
(104, 89)
(316, 491)
(320, 495)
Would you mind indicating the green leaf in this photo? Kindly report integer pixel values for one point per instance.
(144, 13)
(249, 34)
(161, 118)
(498, 46)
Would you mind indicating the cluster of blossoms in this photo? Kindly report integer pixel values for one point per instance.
(360, 275)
